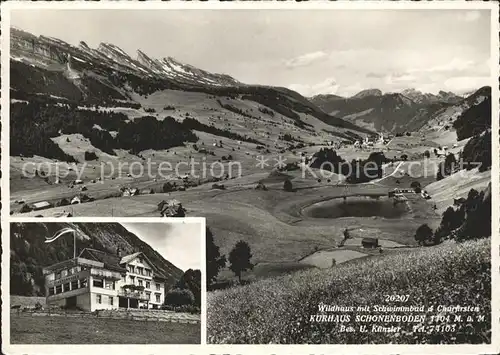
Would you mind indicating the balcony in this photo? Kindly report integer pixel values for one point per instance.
(106, 274)
(71, 263)
(143, 275)
(69, 278)
(140, 295)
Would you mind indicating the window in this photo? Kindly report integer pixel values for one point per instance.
(148, 272)
(51, 291)
(132, 280)
(157, 287)
(98, 283)
(111, 300)
(58, 289)
(66, 287)
(110, 285)
(140, 271)
(74, 284)
(148, 295)
(157, 298)
(83, 283)
(148, 284)
(140, 282)
(98, 299)
(131, 268)
(124, 278)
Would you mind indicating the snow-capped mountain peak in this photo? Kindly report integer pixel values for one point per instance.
(47, 51)
(175, 69)
(118, 55)
(426, 98)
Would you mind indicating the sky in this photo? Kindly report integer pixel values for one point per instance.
(310, 51)
(179, 243)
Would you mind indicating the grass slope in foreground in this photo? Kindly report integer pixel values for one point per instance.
(60, 330)
(278, 310)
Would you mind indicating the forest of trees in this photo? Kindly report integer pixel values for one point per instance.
(149, 133)
(475, 120)
(469, 219)
(476, 154)
(214, 260)
(193, 124)
(32, 126)
(187, 291)
(234, 109)
(478, 150)
(356, 171)
(29, 79)
(447, 167)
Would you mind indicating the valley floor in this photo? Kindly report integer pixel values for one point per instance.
(284, 229)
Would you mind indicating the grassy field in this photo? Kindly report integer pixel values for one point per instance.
(278, 310)
(274, 223)
(456, 186)
(25, 329)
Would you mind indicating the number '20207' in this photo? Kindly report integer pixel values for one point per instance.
(397, 298)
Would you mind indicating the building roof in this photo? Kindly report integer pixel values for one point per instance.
(111, 261)
(157, 273)
(128, 258)
(41, 204)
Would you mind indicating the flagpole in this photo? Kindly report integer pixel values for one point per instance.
(74, 245)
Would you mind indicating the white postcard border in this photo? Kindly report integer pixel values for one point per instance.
(6, 7)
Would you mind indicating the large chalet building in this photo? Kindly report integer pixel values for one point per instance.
(98, 280)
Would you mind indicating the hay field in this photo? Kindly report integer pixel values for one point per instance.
(278, 310)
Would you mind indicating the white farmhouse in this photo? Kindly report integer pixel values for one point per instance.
(98, 280)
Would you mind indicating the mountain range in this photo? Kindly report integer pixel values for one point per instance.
(29, 254)
(53, 71)
(396, 112)
(60, 89)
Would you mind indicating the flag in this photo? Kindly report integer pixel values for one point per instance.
(58, 234)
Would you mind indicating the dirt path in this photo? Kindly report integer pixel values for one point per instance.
(389, 175)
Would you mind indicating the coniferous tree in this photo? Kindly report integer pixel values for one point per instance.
(239, 259)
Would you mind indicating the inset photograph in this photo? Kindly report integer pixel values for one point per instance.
(105, 283)
(344, 168)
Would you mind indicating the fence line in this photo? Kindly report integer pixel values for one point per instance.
(146, 316)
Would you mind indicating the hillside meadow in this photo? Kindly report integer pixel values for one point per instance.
(278, 310)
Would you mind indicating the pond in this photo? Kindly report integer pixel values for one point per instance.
(357, 206)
